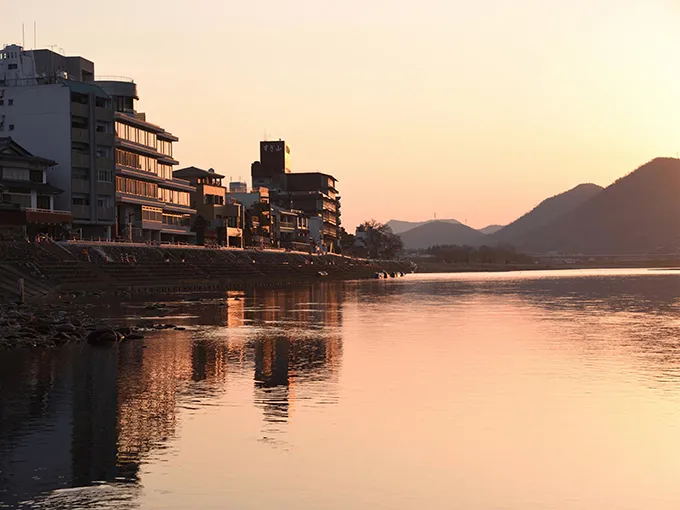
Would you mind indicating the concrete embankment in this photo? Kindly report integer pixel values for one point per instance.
(57, 268)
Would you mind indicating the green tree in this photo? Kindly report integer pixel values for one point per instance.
(381, 242)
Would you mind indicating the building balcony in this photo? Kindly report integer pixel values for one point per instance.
(126, 198)
(106, 188)
(82, 212)
(137, 148)
(106, 213)
(177, 208)
(168, 160)
(152, 225)
(104, 114)
(138, 174)
(48, 216)
(287, 228)
(177, 230)
(80, 159)
(80, 135)
(104, 138)
(80, 110)
(105, 164)
(178, 184)
(80, 186)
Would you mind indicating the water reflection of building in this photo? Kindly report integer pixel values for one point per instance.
(299, 341)
(79, 415)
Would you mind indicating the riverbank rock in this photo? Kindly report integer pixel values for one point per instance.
(102, 336)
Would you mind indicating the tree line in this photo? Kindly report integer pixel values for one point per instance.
(454, 254)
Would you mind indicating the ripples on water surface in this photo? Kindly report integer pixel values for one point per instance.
(517, 390)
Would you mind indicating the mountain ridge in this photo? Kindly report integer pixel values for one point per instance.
(400, 226)
(548, 210)
(637, 214)
(442, 233)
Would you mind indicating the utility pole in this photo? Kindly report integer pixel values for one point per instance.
(130, 216)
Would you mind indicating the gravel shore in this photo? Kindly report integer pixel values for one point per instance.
(51, 325)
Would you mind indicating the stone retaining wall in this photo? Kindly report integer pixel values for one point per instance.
(73, 267)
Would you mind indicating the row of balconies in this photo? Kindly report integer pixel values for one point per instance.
(84, 212)
(83, 110)
(82, 160)
(81, 186)
(83, 136)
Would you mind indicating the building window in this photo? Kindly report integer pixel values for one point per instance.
(135, 187)
(104, 201)
(79, 122)
(104, 175)
(10, 102)
(152, 214)
(136, 135)
(176, 220)
(11, 127)
(104, 151)
(36, 176)
(78, 98)
(16, 174)
(81, 174)
(136, 161)
(173, 197)
(11, 67)
(44, 202)
(2, 102)
(81, 201)
(22, 199)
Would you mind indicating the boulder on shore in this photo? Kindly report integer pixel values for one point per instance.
(102, 336)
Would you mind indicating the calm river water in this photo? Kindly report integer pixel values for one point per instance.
(511, 391)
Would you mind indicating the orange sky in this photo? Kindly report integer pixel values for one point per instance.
(470, 110)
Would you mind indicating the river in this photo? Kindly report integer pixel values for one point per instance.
(477, 391)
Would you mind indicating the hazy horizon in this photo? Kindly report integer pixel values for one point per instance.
(473, 112)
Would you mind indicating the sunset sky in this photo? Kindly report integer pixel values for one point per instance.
(470, 110)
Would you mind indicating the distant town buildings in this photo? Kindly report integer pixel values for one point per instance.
(219, 220)
(313, 194)
(112, 172)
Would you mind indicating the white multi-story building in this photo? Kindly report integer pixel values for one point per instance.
(67, 120)
(114, 167)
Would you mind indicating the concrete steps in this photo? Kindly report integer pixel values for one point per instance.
(9, 276)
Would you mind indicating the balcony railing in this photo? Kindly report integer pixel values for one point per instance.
(124, 79)
(36, 215)
(52, 211)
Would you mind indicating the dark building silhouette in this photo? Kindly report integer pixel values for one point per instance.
(313, 193)
(273, 166)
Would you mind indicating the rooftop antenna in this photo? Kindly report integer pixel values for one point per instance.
(23, 35)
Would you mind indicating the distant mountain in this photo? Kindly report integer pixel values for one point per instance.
(637, 214)
(491, 229)
(544, 213)
(441, 232)
(399, 226)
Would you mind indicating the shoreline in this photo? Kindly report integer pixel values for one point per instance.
(504, 268)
